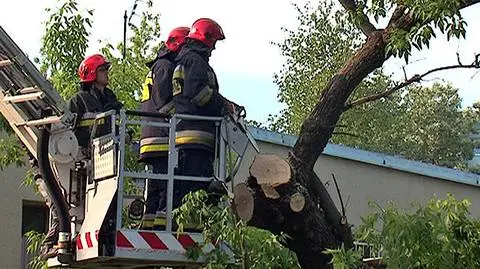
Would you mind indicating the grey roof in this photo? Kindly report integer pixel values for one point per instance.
(374, 158)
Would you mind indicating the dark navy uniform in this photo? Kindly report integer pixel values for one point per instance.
(87, 103)
(156, 96)
(195, 91)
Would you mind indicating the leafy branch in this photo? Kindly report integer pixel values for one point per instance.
(415, 79)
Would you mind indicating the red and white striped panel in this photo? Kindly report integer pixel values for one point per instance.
(158, 241)
(87, 240)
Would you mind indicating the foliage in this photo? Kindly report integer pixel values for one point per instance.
(344, 258)
(33, 240)
(252, 247)
(322, 42)
(419, 123)
(64, 44)
(425, 124)
(11, 152)
(440, 234)
(430, 16)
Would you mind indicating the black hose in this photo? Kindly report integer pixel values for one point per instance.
(46, 172)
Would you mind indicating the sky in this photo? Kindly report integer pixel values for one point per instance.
(245, 61)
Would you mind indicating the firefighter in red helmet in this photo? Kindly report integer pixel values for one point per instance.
(196, 92)
(94, 97)
(156, 97)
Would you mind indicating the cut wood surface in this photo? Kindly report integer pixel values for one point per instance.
(243, 201)
(270, 169)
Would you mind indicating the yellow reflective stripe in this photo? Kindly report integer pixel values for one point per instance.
(146, 87)
(90, 122)
(203, 96)
(168, 108)
(147, 224)
(159, 221)
(179, 72)
(194, 140)
(153, 148)
(177, 80)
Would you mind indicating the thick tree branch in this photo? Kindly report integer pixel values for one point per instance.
(365, 25)
(414, 79)
(397, 14)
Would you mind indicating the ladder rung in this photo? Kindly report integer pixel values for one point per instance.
(5, 63)
(29, 90)
(47, 120)
(23, 97)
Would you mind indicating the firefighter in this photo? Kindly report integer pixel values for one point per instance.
(196, 92)
(94, 97)
(156, 97)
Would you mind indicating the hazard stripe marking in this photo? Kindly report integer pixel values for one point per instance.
(153, 241)
(122, 241)
(88, 239)
(186, 241)
(79, 242)
(170, 241)
(136, 240)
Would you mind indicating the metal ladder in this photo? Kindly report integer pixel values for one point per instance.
(25, 93)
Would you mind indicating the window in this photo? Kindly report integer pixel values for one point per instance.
(34, 217)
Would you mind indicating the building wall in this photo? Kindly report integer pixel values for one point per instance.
(12, 196)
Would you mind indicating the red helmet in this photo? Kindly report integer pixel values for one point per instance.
(206, 31)
(88, 68)
(176, 38)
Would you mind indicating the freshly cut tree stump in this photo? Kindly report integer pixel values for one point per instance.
(297, 202)
(243, 201)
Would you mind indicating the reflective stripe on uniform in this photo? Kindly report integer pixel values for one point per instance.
(195, 137)
(88, 119)
(177, 80)
(153, 148)
(146, 87)
(90, 122)
(168, 108)
(203, 96)
(153, 144)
